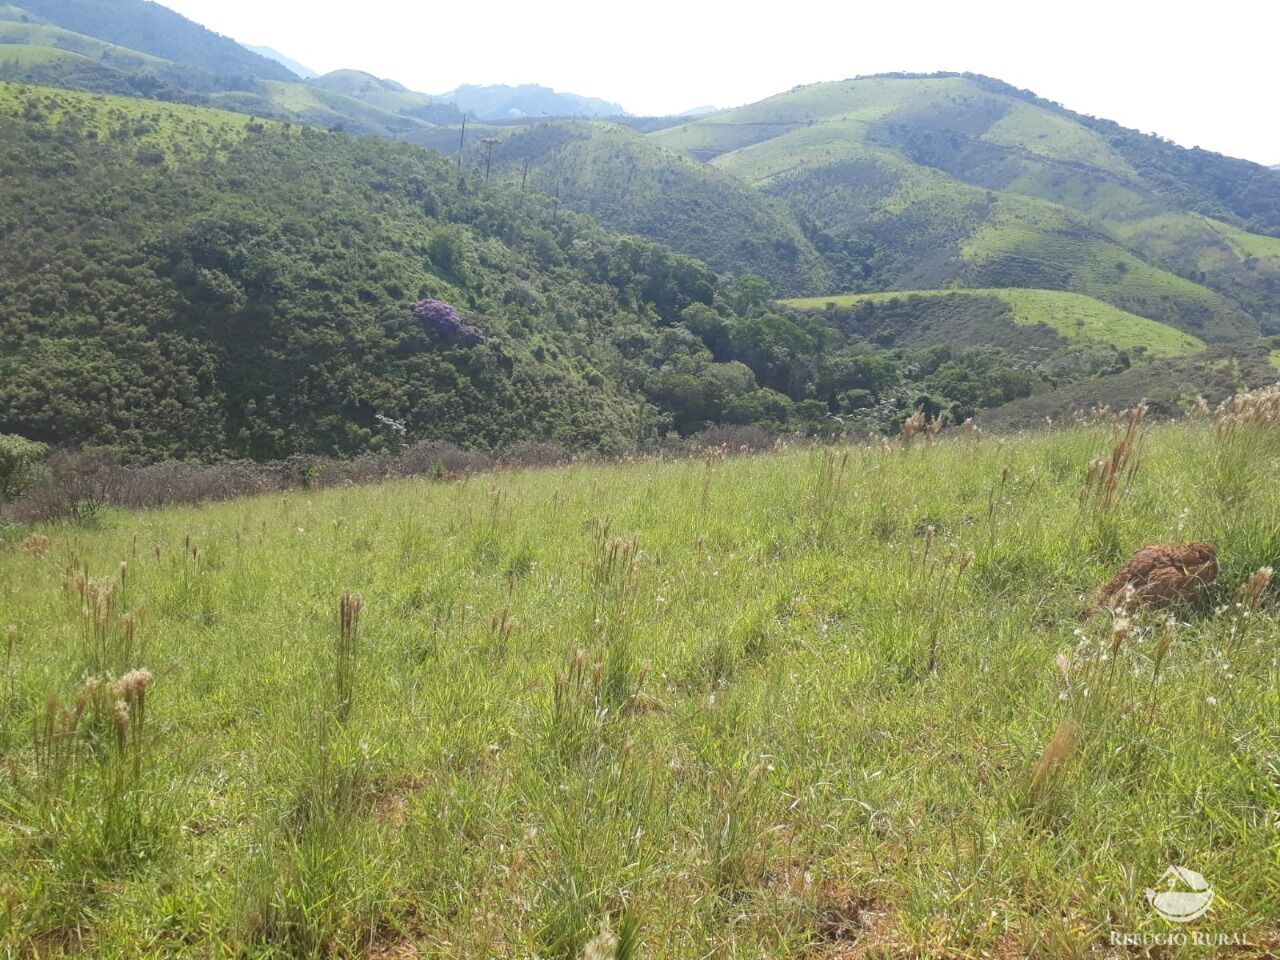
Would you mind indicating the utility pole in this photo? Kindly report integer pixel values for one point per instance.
(462, 139)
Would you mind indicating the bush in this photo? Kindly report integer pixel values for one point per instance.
(738, 438)
(762, 406)
(75, 487)
(19, 462)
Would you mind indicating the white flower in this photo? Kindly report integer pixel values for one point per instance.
(1211, 701)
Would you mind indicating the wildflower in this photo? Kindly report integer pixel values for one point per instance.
(1211, 701)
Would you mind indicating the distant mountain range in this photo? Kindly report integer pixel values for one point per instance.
(138, 48)
(501, 102)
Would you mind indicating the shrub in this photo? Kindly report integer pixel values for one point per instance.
(76, 486)
(19, 461)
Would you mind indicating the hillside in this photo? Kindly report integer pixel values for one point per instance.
(168, 270)
(824, 703)
(170, 251)
(154, 29)
(962, 181)
(1071, 316)
(632, 185)
(389, 96)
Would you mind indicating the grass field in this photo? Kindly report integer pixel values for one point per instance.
(1076, 317)
(823, 703)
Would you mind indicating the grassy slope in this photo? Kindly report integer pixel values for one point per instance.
(363, 86)
(45, 35)
(788, 751)
(1077, 318)
(171, 127)
(314, 106)
(153, 28)
(970, 184)
(24, 55)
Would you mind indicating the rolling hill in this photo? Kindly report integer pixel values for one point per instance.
(170, 268)
(633, 185)
(956, 180)
(388, 96)
(896, 182)
(184, 282)
(948, 241)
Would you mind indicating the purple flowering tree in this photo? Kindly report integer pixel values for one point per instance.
(440, 319)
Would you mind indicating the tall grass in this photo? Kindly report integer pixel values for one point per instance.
(801, 703)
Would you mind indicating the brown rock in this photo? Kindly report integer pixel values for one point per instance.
(1160, 575)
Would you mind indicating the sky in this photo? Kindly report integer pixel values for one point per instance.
(1199, 74)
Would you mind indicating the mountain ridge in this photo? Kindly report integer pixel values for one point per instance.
(505, 101)
(155, 29)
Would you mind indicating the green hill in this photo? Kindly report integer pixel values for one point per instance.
(319, 106)
(1075, 318)
(959, 180)
(35, 50)
(632, 185)
(884, 183)
(184, 282)
(387, 95)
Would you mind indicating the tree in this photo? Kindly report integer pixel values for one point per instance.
(753, 293)
(761, 406)
(19, 459)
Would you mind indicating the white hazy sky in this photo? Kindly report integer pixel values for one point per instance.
(1200, 74)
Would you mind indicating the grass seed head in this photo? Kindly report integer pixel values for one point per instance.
(1250, 593)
